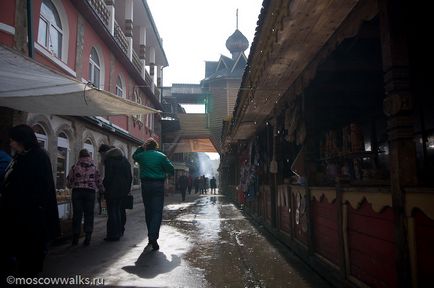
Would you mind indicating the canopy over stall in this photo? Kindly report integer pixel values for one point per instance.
(28, 86)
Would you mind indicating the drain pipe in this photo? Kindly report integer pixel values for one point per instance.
(30, 27)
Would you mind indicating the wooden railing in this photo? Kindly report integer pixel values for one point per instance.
(100, 9)
(137, 63)
(120, 38)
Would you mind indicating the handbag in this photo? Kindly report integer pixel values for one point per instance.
(128, 202)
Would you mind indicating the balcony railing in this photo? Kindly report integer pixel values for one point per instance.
(103, 13)
(101, 10)
(120, 38)
(137, 63)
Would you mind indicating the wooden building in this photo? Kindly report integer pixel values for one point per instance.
(331, 143)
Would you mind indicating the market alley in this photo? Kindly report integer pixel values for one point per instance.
(204, 242)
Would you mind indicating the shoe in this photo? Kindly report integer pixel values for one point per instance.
(74, 240)
(154, 245)
(111, 239)
(87, 240)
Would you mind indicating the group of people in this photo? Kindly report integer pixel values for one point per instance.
(28, 205)
(201, 185)
(85, 181)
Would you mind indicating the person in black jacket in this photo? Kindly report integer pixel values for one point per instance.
(28, 208)
(117, 183)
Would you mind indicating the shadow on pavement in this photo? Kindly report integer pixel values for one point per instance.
(150, 264)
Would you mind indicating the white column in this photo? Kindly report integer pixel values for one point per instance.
(142, 50)
(111, 8)
(159, 74)
(152, 65)
(129, 5)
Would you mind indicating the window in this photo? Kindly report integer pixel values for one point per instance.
(94, 68)
(62, 160)
(136, 174)
(138, 99)
(41, 135)
(50, 33)
(119, 87)
(89, 147)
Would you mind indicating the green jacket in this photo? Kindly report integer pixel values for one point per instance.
(153, 164)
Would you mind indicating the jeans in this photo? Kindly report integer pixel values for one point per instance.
(153, 199)
(114, 221)
(83, 202)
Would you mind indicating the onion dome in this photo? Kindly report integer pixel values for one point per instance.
(237, 42)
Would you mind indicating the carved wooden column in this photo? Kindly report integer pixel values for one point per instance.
(398, 106)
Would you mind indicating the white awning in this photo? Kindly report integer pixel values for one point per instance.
(28, 86)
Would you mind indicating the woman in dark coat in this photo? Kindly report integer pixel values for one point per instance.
(28, 207)
(117, 184)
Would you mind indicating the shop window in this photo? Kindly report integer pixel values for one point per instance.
(50, 33)
(41, 135)
(94, 68)
(136, 174)
(89, 147)
(62, 163)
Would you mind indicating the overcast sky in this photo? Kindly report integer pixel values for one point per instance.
(195, 31)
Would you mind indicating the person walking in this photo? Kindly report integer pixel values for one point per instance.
(5, 160)
(84, 179)
(117, 185)
(202, 184)
(183, 184)
(154, 167)
(213, 184)
(190, 183)
(29, 218)
(196, 184)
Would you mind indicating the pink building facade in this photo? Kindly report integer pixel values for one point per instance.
(111, 46)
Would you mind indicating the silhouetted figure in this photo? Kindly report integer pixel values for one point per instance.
(117, 185)
(183, 184)
(190, 184)
(29, 217)
(213, 184)
(196, 184)
(154, 166)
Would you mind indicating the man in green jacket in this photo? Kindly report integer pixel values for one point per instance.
(154, 166)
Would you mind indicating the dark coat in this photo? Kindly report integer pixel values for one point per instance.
(28, 205)
(117, 175)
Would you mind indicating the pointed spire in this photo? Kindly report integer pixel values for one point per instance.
(237, 18)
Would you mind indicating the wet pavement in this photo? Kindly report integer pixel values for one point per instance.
(204, 242)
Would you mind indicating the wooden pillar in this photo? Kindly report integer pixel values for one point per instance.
(398, 106)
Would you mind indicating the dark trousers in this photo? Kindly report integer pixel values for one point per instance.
(183, 192)
(114, 219)
(153, 199)
(83, 202)
(123, 219)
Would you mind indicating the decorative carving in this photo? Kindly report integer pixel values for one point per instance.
(101, 10)
(378, 199)
(128, 27)
(327, 192)
(396, 103)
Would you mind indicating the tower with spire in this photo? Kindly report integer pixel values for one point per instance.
(222, 82)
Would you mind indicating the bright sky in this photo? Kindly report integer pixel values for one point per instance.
(195, 31)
